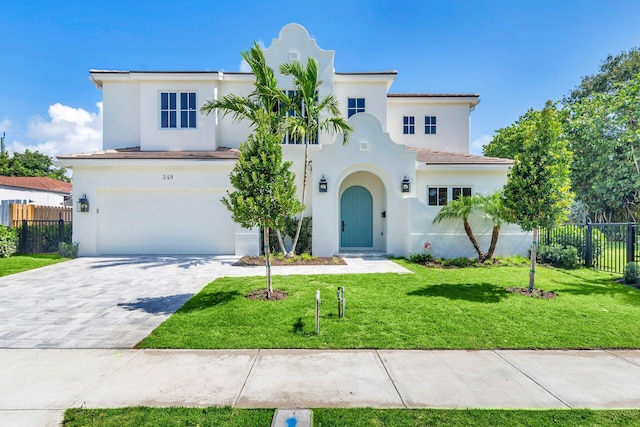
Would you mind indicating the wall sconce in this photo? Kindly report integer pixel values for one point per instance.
(83, 204)
(383, 214)
(406, 185)
(323, 186)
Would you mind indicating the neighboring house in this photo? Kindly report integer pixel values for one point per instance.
(156, 186)
(39, 190)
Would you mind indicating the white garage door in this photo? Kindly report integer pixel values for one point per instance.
(176, 221)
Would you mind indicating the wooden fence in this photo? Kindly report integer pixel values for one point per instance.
(19, 212)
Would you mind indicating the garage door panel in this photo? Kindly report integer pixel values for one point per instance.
(173, 221)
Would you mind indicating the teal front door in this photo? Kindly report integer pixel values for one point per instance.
(356, 218)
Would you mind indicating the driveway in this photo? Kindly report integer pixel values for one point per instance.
(115, 302)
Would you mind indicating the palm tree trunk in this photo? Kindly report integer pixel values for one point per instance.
(304, 192)
(474, 242)
(267, 257)
(283, 249)
(534, 250)
(494, 242)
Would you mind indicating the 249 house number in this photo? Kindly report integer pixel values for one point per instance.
(167, 177)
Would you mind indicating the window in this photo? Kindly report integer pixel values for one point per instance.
(188, 110)
(169, 110)
(429, 125)
(439, 196)
(354, 106)
(408, 125)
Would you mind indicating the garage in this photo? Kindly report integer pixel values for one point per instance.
(163, 221)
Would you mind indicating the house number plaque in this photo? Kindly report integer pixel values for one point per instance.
(167, 177)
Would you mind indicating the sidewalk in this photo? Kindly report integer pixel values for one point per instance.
(41, 384)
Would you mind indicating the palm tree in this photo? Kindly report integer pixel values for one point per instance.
(493, 209)
(311, 115)
(266, 100)
(462, 208)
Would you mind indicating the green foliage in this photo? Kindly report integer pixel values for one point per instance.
(537, 190)
(559, 256)
(632, 273)
(423, 258)
(264, 189)
(30, 163)
(8, 241)
(572, 235)
(68, 250)
(603, 129)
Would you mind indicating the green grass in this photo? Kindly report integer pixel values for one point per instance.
(18, 263)
(227, 417)
(467, 308)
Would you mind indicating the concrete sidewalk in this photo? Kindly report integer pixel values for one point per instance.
(41, 384)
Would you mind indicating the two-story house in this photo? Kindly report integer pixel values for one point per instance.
(156, 186)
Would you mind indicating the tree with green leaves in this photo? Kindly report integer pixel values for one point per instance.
(264, 192)
(462, 208)
(312, 115)
(602, 128)
(30, 163)
(537, 193)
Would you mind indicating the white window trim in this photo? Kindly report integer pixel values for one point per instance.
(178, 110)
(449, 192)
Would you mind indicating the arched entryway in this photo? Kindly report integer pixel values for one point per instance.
(356, 218)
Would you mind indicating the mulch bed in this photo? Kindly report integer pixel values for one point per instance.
(256, 260)
(261, 294)
(537, 293)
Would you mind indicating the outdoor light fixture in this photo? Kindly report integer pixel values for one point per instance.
(83, 204)
(406, 185)
(322, 186)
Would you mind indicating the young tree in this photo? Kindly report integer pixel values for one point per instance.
(312, 115)
(264, 188)
(537, 191)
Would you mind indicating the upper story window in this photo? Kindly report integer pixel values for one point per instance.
(354, 106)
(169, 117)
(288, 138)
(440, 196)
(429, 125)
(408, 125)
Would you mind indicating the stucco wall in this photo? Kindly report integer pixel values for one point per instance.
(121, 114)
(452, 124)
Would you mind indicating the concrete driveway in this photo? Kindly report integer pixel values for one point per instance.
(115, 302)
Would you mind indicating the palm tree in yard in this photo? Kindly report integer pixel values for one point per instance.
(489, 206)
(311, 116)
(462, 208)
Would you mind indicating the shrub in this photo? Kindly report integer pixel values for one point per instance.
(559, 256)
(68, 250)
(425, 258)
(575, 235)
(632, 273)
(8, 241)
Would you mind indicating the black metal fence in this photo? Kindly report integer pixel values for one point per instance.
(606, 247)
(43, 237)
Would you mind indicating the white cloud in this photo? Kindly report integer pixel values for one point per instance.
(5, 124)
(66, 130)
(244, 66)
(476, 145)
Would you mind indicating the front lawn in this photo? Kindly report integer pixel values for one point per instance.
(466, 308)
(18, 263)
(227, 417)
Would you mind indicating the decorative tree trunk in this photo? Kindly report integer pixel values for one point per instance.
(472, 238)
(304, 192)
(534, 250)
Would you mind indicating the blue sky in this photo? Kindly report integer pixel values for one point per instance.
(515, 54)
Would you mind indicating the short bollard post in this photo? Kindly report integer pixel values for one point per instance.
(317, 312)
(339, 295)
(343, 299)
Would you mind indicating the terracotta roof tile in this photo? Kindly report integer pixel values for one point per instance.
(221, 153)
(36, 183)
(433, 157)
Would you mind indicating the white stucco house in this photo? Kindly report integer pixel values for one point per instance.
(156, 186)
